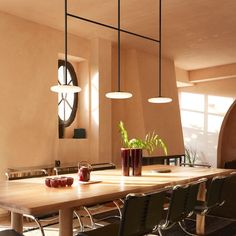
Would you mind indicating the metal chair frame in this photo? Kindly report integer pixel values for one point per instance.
(182, 203)
(141, 213)
(33, 173)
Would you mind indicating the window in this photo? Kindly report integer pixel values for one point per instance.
(67, 102)
(202, 116)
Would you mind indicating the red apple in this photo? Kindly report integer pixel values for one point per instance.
(48, 182)
(70, 181)
(63, 181)
(55, 182)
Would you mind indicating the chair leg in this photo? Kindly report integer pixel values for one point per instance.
(93, 225)
(80, 221)
(118, 208)
(184, 229)
(37, 222)
(159, 231)
(156, 231)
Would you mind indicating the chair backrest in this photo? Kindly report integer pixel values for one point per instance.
(177, 205)
(214, 191)
(228, 189)
(183, 201)
(141, 213)
(192, 196)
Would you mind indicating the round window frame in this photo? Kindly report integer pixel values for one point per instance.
(74, 79)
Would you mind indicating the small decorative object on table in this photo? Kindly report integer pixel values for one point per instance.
(125, 161)
(59, 182)
(84, 170)
(151, 142)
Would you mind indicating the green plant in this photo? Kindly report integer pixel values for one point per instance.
(151, 142)
(190, 155)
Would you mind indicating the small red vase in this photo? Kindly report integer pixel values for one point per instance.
(136, 161)
(125, 161)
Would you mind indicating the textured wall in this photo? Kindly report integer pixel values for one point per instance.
(139, 76)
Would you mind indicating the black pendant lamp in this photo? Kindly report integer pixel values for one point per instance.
(65, 88)
(118, 94)
(160, 98)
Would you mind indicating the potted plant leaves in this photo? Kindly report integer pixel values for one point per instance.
(131, 152)
(190, 155)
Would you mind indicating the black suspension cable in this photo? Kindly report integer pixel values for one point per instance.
(159, 48)
(65, 67)
(112, 27)
(118, 45)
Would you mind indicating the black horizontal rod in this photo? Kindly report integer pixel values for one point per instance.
(112, 27)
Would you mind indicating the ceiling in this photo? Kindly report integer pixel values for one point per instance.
(195, 33)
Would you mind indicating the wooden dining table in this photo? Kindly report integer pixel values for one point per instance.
(32, 196)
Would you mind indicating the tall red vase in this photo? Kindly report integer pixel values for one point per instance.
(136, 161)
(125, 161)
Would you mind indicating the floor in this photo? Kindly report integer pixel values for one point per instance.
(30, 227)
(215, 227)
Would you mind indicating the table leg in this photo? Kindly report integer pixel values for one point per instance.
(66, 222)
(200, 219)
(17, 222)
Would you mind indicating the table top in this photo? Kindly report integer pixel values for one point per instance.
(31, 196)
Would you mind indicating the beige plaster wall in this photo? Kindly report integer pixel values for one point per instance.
(28, 65)
(29, 128)
(139, 76)
(224, 88)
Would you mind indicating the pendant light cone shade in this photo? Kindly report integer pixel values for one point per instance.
(65, 88)
(118, 94)
(160, 98)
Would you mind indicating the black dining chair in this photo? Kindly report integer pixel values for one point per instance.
(228, 210)
(213, 196)
(213, 199)
(9, 232)
(182, 203)
(140, 214)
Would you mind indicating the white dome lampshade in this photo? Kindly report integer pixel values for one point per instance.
(118, 94)
(160, 98)
(65, 89)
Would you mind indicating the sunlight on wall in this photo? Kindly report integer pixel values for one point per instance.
(95, 98)
(86, 95)
(201, 117)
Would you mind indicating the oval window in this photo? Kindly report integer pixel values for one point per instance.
(67, 102)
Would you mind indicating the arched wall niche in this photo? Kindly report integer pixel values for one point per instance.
(226, 150)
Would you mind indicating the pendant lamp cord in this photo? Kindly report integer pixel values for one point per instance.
(160, 48)
(118, 45)
(65, 67)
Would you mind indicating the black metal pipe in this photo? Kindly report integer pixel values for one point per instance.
(160, 48)
(112, 27)
(65, 67)
(118, 45)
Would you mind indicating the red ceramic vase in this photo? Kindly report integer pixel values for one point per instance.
(125, 161)
(136, 161)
